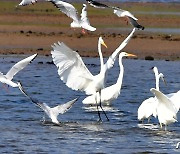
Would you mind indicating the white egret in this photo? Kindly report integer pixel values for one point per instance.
(7, 79)
(110, 93)
(51, 112)
(74, 73)
(109, 64)
(166, 110)
(148, 106)
(71, 12)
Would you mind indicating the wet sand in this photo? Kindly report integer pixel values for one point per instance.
(37, 32)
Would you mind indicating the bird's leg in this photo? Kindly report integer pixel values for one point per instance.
(98, 108)
(83, 31)
(126, 20)
(101, 106)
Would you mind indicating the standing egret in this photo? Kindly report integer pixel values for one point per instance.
(166, 110)
(148, 106)
(7, 79)
(109, 64)
(71, 12)
(74, 73)
(51, 112)
(110, 93)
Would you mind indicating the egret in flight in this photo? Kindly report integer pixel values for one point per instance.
(74, 73)
(148, 106)
(51, 112)
(71, 12)
(7, 79)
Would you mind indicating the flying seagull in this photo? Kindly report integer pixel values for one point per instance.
(71, 12)
(7, 79)
(51, 112)
(119, 12)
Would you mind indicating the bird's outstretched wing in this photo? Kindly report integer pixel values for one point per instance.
(110, 62)
(166, 107)
(135, 24)
(97, 4)
(66, 8)
(84, 19)
(123, 13)
(71, 69)
(19, 66)
(65, 107)
(27, 2)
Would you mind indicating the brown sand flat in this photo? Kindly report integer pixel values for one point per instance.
(36, 33)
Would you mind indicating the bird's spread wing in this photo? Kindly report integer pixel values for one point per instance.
(85, 21)
(66, 8)
(65, 107)
(27, 2)
(71, 68)
(124, 13)
(19, 66)
(165, 102)
(97, 4)
(135, 24)
(110, 62)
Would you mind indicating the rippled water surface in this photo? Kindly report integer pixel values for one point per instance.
(22, 130)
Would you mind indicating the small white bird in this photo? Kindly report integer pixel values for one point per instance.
(148, 106)
(110, 93)
(166, 110)
(7, 79)
(97, 4)
(71, 12)
(74, 73)
(109, 64)
(51, 112)
(129, 16)
(27, 2)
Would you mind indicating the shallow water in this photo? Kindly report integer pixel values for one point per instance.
(22, 130)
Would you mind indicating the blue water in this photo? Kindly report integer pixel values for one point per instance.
(22, 130)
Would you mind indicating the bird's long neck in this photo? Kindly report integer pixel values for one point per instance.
(120, 78)
(100, 56)
(157, 80)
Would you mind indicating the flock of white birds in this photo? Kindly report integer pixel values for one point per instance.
(75, 74)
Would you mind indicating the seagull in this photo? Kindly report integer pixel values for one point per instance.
(119, 12)
(51, 112)
(166, 110)
(75, 74)
(71, 12)
(148, 106)
(109, 64)
(7, 79)
(129, 16)
(27, 2)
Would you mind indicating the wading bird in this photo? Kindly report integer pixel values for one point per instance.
(109, 64)
(51, 112)
(71, 12)
(74, 73)
(7, 79)
(166, 110)
(148, 106)
(110, 93)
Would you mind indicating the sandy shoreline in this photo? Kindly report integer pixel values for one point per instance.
(25, 34)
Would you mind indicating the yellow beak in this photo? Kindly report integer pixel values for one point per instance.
(104, 44)
(132, 55)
